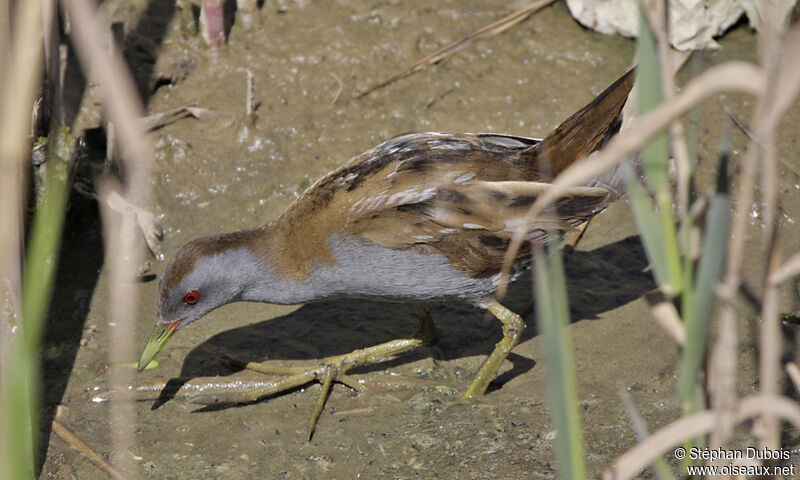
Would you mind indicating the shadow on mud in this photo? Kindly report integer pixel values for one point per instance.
(598, 281)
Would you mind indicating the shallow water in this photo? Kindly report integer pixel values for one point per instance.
(224, 172)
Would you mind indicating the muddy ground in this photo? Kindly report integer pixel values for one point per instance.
(223, 173)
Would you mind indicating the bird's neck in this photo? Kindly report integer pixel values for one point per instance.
(259, 260)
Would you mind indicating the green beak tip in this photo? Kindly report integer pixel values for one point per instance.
(158, 339)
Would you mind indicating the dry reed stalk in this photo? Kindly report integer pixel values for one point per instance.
(121, 100)
(794, 374)
(659, 443)
(106, 68)
(666, 314)
(789, 269)
(783, 61)
(780, 63)
(121, 258)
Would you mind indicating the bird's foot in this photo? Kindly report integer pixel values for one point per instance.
(326, 371)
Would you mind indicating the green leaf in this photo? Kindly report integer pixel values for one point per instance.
(22, 408)
(657, 229)
(552, 312)
(650, 94)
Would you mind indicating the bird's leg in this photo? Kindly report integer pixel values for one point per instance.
(512, 332)
(572, 238)
(326, 370)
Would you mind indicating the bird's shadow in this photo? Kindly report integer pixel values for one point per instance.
(597, 281)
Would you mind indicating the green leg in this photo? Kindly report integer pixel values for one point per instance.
(326, 370)
(512, 332)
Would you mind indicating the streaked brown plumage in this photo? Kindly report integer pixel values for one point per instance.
(425, 216)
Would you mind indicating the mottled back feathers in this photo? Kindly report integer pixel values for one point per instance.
(459, 195)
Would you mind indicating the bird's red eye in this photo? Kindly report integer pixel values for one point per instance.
(191, 297)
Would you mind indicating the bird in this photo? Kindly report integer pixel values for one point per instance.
(422, 217)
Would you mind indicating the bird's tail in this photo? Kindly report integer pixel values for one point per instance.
(586, 131)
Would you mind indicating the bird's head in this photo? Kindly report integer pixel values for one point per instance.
(205, 274)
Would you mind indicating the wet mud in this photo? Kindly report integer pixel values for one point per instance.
(226, 171)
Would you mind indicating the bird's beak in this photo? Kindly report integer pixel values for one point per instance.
(157, 341)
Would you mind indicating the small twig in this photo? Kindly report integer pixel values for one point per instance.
(249, 100)
(488, 31)
(745, 128)
(433, 101)
(147, 221)
(339, 90)
(154, 121)
(85, 450)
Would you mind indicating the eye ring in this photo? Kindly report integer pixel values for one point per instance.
(191, 297)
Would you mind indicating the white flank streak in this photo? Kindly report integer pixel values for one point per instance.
(355, 205)
(464, 178)
(439, 145)
(375, 202)
(405, 196)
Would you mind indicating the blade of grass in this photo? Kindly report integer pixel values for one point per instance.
(41, 261)
(649, 222)
(650, 94)
(662, 242)
(553, 316)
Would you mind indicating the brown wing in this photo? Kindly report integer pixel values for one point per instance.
(460, 195)
(472, 223)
